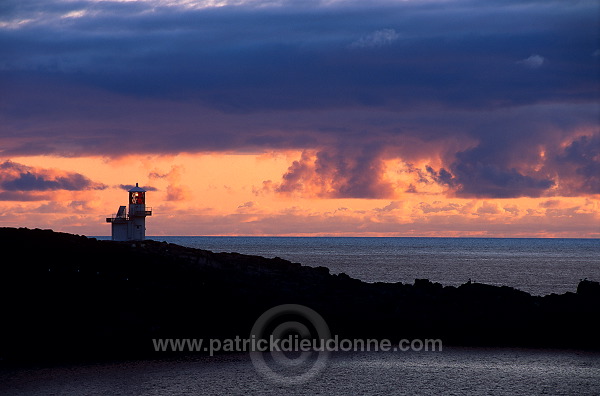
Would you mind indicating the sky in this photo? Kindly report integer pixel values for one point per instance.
(450, 118)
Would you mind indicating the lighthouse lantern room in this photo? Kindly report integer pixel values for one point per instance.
(131, 226)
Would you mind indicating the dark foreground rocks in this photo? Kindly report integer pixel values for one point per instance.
(68, 297)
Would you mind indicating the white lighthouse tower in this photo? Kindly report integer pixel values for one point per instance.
(131, 226)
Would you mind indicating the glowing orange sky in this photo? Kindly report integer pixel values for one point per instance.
(224, 194)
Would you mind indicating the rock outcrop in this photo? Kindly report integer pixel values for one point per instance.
(66, 296)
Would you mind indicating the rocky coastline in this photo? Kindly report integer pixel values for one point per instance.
(67, 296)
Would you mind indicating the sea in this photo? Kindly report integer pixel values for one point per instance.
(537, 266)
(453, 371)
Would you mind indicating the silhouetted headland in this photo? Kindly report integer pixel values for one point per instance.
(66, 296)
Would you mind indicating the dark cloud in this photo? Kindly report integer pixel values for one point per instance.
(30, 182)
(247, 205)
(483, 180)
(442, 177)
(486, 171)
(578, 164)
(343, 172)
(21, 178)
(438, 207)
(472, 176)
(488, 209)
(530, 152)
(244, 58)
(551, 203)
(411, 189)
(23, 196)
(483, 86)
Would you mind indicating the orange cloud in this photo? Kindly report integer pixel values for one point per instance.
(336, 173)
(176, 191)
(244, 209)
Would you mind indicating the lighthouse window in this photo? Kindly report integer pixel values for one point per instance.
(137, 198)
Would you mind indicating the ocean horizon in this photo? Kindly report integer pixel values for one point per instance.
(539, 266)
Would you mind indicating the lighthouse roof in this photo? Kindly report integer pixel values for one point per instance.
(137, 189)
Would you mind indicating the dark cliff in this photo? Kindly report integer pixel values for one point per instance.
(66, 296)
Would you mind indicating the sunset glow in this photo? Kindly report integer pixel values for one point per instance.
(424, 119)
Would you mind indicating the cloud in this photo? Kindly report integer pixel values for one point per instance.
(551, 203)
(411, 189)
(22, 178)
(471, 177)
(460, 218)
(341, 172)
(578, 165)
(379, 38)
(512, 209)
(533, 62)
(439, 206)
(175, 190)
(567, 168)
(249, 204)
(24, 196)
(394, 205)
(118, 78)
(488, 208)
(230, 58)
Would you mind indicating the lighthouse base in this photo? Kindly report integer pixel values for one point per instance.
(124, 229)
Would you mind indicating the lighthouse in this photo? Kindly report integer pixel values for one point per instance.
(131, 226)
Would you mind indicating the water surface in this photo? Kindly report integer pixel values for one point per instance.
(535, 265)
(452, 371)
